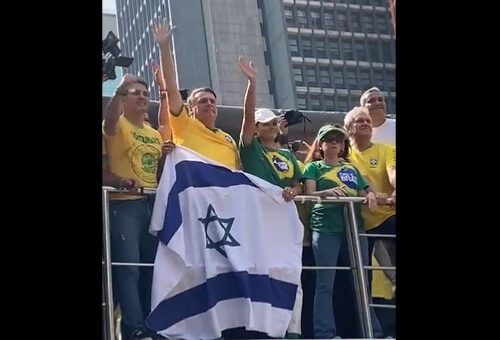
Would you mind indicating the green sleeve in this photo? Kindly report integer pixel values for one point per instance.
(310, 172)
(248, 153)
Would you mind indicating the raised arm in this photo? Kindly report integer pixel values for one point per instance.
(248, 124)
(163, 34)
(163, 119)
(114, 107)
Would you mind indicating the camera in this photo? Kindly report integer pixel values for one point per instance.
(111, 56)
(294, 117)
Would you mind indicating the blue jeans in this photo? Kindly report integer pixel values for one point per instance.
(131, 242)
(327, 248)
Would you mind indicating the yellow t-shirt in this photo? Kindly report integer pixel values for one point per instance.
(373, 164)
(133, 152)
(381, 285)
(216, 145)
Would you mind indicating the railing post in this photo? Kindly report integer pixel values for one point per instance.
(107, 259)
(356, 257)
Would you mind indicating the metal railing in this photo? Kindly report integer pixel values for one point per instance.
(354, 248)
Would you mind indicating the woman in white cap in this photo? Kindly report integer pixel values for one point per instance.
(260, 156)
(259, 153)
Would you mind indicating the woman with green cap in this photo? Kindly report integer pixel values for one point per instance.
(328, 174)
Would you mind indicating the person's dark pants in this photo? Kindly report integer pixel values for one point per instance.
(242, 333)
(388, 227)
(131, 242)
(308, 287)
(387, 317)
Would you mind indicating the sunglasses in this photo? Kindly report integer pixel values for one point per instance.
(375, 99)
(137, 92)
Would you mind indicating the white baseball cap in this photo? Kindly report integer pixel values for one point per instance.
(264, 116)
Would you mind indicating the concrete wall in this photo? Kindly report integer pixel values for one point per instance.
(233, 29)
(189, 43)
(229, 120)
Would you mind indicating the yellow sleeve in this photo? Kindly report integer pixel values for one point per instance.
(390, 156)
(180, 122)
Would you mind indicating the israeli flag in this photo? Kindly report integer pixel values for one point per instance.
(229, 253)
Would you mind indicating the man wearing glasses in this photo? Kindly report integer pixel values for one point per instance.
(384, 129)
(133, 149)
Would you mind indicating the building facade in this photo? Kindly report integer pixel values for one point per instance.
(311, 55)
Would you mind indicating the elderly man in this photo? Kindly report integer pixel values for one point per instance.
(384, 129)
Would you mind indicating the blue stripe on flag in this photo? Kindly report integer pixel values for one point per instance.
(197, 175)
(199, 299)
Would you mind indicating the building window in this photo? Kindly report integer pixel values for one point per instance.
(355, 21)
(333, 48)
(301, 101)
(368, 22)
(390, 76)
(347, 49)
(354, 101)
(342, 21)
(387, 52)
(293, 45)
(297, 75)
(301, 18)
(392, 105)
(320, 47)
(324, 73)
(360, 50)
(373, 49)
(315, 19)
(311, 76)
(289, 16)
(306, 46)
(352, 79)
(378, 79)
(381, 23)
(314, 103)
(341, 103)
(328, 103)
(364, 79)
(338, 78)
(329, 22)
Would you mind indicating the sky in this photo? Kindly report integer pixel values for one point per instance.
(109, 6)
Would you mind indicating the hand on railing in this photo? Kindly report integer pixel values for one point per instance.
(130, 184)
(337, 192)
(371, 200)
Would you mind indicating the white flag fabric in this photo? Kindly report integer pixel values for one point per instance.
(229, 253)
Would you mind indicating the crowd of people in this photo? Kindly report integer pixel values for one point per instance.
(356, 159)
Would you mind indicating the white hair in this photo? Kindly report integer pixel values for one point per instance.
(351, 115)
(364, 96)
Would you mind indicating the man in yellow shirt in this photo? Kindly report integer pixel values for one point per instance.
(193, 125)
(377, 164)
(133, 149)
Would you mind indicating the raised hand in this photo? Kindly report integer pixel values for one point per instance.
(162, 32)
(246, 67)
(158, 75)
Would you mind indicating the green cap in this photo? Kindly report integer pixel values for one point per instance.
(329, 128)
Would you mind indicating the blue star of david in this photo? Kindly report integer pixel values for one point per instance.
(225, 223)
